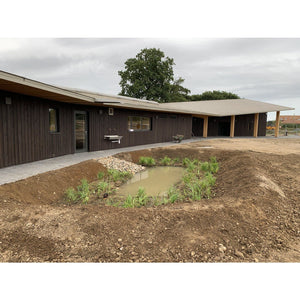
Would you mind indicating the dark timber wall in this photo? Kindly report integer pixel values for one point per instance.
(24, 130)
(25, 136)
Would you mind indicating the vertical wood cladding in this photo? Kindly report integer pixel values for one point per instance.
(24, 130)
(164, 127)
(25, 136)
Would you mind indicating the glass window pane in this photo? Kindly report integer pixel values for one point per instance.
(136, 123)
(129, 123)
(53, 120)
(139, 123)
(145, 123)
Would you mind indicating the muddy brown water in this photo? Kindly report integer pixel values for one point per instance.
(155, 181)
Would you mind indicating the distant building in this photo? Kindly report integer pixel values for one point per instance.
(290, 119)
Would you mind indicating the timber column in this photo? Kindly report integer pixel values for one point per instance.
(232, 122)
(277, 123)
(205, 126)
(255, 130)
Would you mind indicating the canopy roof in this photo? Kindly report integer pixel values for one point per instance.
(18, 84)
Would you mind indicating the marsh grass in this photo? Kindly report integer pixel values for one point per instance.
(82, 194)
(196, 184)
(147, 161)
(166, 161)
(140, 199)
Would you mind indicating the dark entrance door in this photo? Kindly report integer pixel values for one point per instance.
(81, 131)
(223, 129)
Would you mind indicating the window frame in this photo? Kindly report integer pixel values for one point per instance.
(57, 127)
(129, 123)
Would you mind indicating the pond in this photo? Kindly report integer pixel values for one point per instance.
(156, 181)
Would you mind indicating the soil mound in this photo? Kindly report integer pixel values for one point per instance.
(253, 216)
(49, 187)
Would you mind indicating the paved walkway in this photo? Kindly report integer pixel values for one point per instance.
(15, 173)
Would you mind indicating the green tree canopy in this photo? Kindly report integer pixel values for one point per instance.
(150, 76)
(213, 95)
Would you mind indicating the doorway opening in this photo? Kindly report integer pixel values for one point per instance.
(81, 131)
(224, 129)
(197, 126)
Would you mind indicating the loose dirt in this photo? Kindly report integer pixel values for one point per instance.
(253, 217)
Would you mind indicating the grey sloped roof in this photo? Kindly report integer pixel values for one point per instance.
(18, 84)
(211, 108)
(225, 107)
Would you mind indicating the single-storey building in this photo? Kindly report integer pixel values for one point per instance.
(40, 121)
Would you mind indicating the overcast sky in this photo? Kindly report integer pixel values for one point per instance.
(258, 69)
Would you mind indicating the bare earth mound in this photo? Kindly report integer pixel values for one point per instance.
(254, 215)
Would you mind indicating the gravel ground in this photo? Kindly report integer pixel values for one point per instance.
(111, 162)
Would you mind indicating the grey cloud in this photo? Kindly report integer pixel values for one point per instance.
(259, 69)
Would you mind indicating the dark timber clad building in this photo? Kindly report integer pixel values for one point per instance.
(40, 121)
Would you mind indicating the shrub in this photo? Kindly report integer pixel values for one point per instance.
(147, 161)
(166, 161)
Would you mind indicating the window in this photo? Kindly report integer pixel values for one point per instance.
(53, 120)
(139, 124)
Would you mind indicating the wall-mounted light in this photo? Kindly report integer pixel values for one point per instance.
(8, 100)
(110, 111)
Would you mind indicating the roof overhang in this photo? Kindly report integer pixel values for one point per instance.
(22, 85)
(218, 108)
(222, 108)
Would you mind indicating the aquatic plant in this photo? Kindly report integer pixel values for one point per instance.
(147, 161)
(166, 161)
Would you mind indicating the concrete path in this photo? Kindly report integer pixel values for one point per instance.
(15, 173)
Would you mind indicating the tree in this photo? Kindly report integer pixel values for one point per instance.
(150, 76)
(213, 95)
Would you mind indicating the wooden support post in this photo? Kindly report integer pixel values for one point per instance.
(205, 126)
(277, 123)
(232, 123)
(255, 130)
